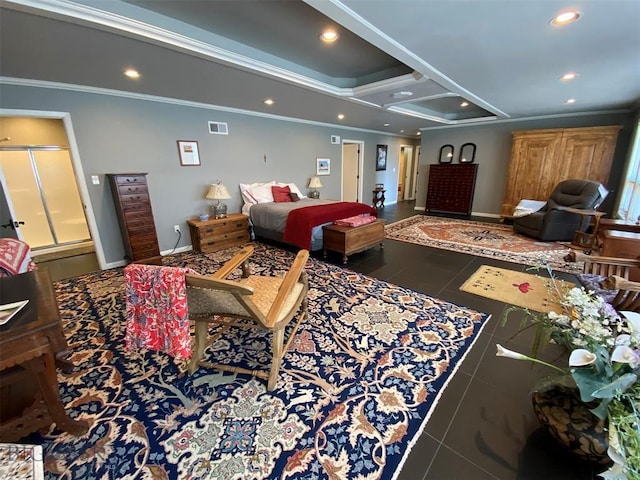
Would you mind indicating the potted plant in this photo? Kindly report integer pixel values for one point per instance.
(604, 366)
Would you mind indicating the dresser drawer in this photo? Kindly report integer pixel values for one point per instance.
(134, 199)
(224, 226)
(223, 241)
(131, 209)
(131, 180)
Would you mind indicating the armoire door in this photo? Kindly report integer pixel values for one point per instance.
(528, 176)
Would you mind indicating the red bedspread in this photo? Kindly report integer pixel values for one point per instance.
(300, 221)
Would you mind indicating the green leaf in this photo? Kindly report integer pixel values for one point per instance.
(587, 382)
(619, 385)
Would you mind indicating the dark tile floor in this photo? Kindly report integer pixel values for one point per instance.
(483, 426)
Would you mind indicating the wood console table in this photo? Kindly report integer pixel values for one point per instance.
(29, 344)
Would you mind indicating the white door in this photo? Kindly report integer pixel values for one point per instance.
(408, 183)
(41, 191)
(350, 172)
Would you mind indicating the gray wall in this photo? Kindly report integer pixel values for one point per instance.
(494, 151)
(121, 135)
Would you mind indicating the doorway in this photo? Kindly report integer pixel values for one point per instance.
(41, 189)
(352, 164)
(42, 184)
(407, 171)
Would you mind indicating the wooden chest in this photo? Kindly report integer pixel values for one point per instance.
(133, 208)
(214, 234)
(348, 240)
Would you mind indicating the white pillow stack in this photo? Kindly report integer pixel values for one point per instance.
(260, 192)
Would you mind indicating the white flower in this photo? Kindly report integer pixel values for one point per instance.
(624, 354)
(505, 352)
(581, 357)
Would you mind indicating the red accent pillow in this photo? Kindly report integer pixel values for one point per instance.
(281, 194)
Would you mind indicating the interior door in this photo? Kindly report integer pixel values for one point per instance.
(350, 172)
(8, 229)
(42, 193)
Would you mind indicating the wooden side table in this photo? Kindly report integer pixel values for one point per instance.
(29, 343)
(581, 239)
(217, 233)
(378, 198)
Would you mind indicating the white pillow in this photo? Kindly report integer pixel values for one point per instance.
(261, 193)
(247, 196)
(293, 188)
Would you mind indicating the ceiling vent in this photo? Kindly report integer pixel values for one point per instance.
(218, 128)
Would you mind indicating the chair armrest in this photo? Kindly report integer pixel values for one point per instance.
(212, 283)
(575, 256)
(234, 262)
(614, 282)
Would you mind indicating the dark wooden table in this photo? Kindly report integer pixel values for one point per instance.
(30, 344)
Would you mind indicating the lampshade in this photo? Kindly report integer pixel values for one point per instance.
(218, 191)
(315, 183)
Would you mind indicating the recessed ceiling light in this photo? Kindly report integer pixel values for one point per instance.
(401, 131)
(386, 124)
(464, 104)
(340, 116)
(132, 73)
(566, 18)
(329, 36)
(419, 133)
(268, 101)
(569, 76)
(403, 94)
(570, 101)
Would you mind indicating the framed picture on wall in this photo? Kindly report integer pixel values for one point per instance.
(381, 157)
(323, 166)
(189, 155)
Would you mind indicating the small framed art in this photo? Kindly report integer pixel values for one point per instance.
(189, 155)
(381, 157)
(323, 166)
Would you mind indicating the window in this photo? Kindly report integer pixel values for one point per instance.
(629, 206)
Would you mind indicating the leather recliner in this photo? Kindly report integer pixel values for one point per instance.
(552, 222)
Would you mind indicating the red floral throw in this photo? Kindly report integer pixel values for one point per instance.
(156, 309)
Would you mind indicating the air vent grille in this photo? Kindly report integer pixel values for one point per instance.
(218, 128)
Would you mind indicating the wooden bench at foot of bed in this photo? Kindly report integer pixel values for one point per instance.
(348, 240)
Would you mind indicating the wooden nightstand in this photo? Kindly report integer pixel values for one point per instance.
(218, 233)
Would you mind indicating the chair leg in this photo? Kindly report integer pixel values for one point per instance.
(202, 330)
(278, 352)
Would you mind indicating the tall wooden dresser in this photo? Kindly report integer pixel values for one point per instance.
(451, 187)
(133, 207)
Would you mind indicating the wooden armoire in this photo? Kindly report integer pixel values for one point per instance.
(540, 159)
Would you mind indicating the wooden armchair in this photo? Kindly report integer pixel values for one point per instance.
(256, 302)
(628, 296)
(605, 266)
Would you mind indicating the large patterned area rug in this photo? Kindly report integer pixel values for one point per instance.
(357, 387)
(492, 240)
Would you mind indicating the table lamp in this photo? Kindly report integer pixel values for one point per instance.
(218, 191)
(314, 183)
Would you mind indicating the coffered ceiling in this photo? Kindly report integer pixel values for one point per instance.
(398, 66)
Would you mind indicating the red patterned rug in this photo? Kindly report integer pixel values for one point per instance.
(492, 240)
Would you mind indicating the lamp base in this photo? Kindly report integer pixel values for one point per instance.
(314, 194)
(219, 210)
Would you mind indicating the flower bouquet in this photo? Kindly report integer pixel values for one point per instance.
(604, 364)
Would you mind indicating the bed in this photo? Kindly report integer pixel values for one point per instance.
(296, 222)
